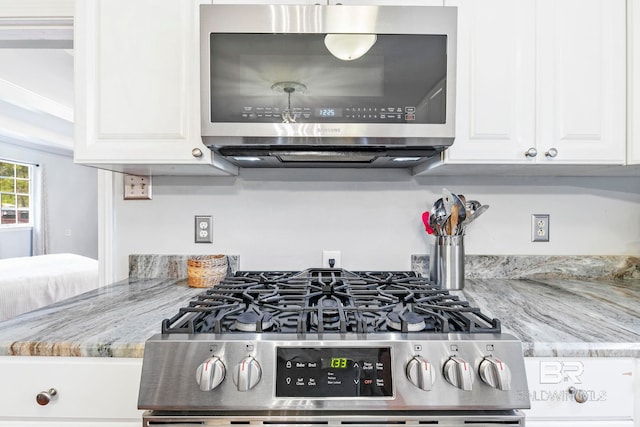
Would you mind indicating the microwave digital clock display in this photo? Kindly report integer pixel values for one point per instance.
(329, 112)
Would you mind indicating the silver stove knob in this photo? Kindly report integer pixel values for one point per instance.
(248, 374)
(495, 373)
(459, 373)
(420, 373)
(210, 373)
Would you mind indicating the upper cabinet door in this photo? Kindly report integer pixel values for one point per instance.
(495, 120)
(137, 86)
(581, 81)
(540, 81)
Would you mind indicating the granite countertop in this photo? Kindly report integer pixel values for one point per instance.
(564, 317)
(112, 321)
(552, 317)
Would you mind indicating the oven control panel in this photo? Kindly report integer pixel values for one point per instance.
(440, 372)
(333, 372)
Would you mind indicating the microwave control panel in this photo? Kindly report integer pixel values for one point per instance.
(388, 114)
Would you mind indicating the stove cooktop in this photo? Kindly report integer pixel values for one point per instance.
(328, 301)
(331, 340)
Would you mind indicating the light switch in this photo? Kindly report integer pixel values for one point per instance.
(137, 187)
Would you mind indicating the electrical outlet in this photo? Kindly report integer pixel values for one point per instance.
(327, 256)
(540, 227)
(137, 187)
(203, 231)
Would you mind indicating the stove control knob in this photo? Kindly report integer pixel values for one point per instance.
(458, 372)
(248, 374)
(210, 373)
(495, 373)
(420, 373)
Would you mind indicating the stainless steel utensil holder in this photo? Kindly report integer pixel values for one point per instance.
(446, 263)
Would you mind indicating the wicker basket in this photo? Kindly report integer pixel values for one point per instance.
(205, 271)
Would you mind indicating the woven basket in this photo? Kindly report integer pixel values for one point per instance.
(205, 271)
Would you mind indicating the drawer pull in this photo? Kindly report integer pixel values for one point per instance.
(580, 396)
(44, 397)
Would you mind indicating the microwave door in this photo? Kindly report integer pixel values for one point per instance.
(271, 78)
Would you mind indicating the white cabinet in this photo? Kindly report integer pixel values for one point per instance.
(581, 80)
(137, 88)
(633, 64)
(90, 391)
(495, 119)
(609, 385)
(532, 75)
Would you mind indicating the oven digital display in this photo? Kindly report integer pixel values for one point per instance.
(333, 372)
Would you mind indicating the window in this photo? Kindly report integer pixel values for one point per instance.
(15, 194)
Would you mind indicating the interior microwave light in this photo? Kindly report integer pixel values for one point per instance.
(406, 159)
(349, 46)
(247, 158)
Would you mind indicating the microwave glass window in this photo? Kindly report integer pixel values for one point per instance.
(279, 77)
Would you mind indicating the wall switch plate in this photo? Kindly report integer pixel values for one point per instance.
(540, 227)
(328, 256)
(137, 187)
(204, 233)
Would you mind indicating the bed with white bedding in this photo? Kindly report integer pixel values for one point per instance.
(27, 283)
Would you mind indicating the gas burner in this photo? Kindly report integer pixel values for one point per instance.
(253, 321)
(405, 321)
(318, 301)
(330, 309)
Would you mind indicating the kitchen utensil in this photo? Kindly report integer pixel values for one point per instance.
(472, 205)
(482, 209)
(450, 201)
(447, 198)
(440, 214)
(455, 217)
(425, 221)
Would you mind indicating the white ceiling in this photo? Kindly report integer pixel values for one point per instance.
(36, 88)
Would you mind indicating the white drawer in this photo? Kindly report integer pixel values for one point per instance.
(87, 387)
(608, 383)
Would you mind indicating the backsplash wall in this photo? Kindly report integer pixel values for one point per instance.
(284, 219)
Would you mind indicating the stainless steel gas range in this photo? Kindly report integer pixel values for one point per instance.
(330, 346)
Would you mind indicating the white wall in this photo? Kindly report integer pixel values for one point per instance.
(71, 200)
(283, 219)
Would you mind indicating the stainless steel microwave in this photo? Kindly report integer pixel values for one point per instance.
(300, 85)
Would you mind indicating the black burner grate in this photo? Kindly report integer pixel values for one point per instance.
(328, 301)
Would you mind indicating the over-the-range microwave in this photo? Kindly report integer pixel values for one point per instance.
(327, 85)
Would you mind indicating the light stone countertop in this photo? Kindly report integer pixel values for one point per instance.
(564, 317)
(553, 317)
(112, 321)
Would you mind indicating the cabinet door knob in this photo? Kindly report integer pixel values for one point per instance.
(531, 152)
(580, 396)
(551, 153)
(44, 397)
(196, 152)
